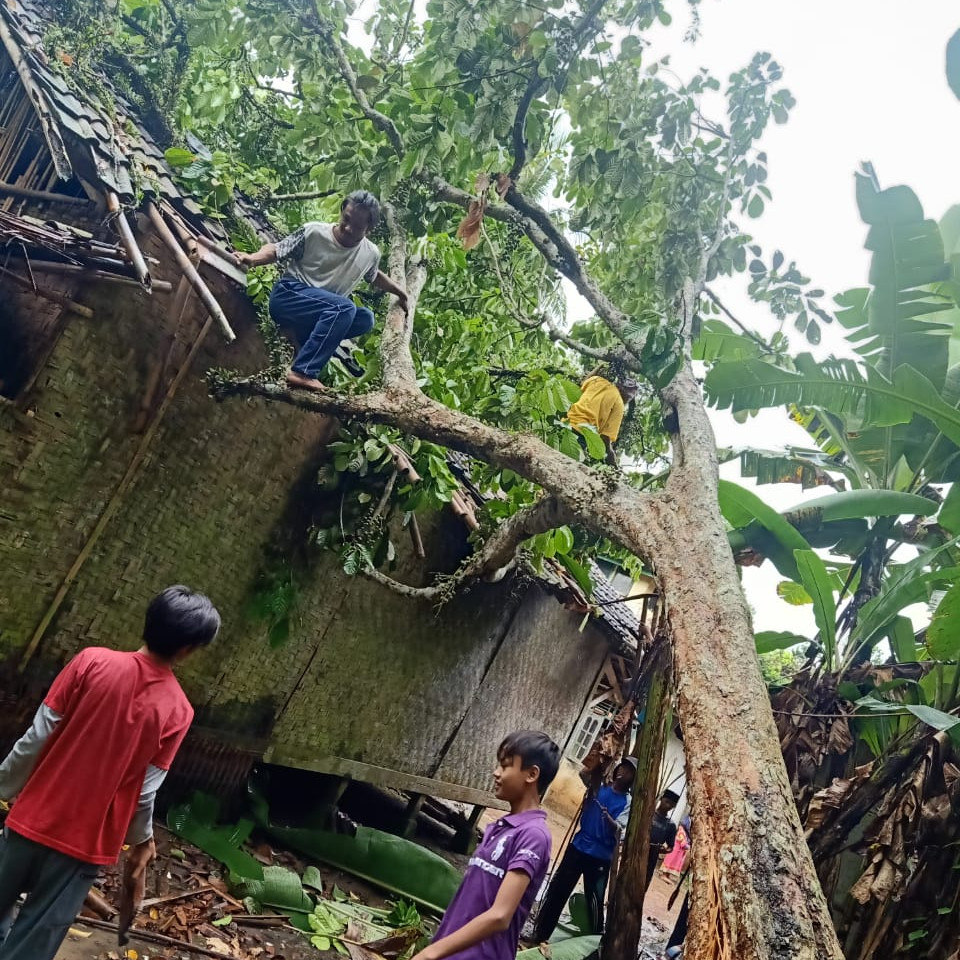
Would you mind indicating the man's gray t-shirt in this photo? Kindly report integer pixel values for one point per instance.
(315, 257)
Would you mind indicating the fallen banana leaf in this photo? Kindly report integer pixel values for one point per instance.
(396, 945)
(579, 914)
(280, 888)
(576, 948)
(391, 863)
(196, 822)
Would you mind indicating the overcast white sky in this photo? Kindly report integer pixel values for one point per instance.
(868, 76)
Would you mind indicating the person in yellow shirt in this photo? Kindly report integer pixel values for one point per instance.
(601, 405)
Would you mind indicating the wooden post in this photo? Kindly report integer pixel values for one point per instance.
(129, 241)
(190, 272)
(625, 920)
(409, 825)
(465, 837)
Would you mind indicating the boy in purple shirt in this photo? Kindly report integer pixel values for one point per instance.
(485, 917)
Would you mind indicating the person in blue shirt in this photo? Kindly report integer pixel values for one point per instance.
(602, 822)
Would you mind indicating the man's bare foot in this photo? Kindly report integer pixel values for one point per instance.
(298, 380)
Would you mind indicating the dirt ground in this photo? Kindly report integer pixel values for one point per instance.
(183, 868)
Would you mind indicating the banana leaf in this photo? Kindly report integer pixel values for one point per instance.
(196, 822)
(388, 862)
(574, 948)
(280, 888)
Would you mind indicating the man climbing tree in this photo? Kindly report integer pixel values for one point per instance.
(325, 261)
(601, 406)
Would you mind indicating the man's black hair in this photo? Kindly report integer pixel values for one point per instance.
(535, 749)
(366, 201)
(178, 618)
(670, 796)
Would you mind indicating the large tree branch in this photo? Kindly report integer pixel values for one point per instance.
(554, 247)
(537, 84)
(603, 502)
(497, 554)
(380, 120)
(398, 369)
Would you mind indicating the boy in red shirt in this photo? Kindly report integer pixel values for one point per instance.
(505, 873)
(86, 772)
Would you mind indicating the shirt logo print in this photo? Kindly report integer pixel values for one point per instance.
(498, 849)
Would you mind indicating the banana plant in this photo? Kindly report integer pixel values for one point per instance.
(886, 422)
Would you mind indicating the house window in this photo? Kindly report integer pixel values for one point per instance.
(586, 734)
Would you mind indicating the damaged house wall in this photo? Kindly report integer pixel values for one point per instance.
(119, 476)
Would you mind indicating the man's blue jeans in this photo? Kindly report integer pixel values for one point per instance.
(318, 319)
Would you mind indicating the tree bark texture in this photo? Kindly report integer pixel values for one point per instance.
(625, 920)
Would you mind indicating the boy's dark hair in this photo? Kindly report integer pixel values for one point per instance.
(535, 749)
(178, 618)
(670, 796)
(367, 202)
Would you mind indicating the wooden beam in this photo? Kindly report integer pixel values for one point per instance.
(11, 190)
(128, 240)
(190, 272)
(611, 676)
(90, 273)
(295, 756)
(50, 295)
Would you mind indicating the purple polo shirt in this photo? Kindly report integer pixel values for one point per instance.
(517, 841)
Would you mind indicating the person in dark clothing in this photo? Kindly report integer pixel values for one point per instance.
(663, 832)
(604, 818)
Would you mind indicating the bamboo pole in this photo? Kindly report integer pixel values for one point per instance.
(41, 106)
(190, 272)
(128, 239)
(188, 240)
(50, 295)
(91, 273)
(113, 505)
(10, 189)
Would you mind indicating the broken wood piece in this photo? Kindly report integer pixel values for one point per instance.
(170, 897)
(190, 272)
(148, 936)
(403, 463)
(91, 273)
(128, 240)
(50, 295)
(416, 538)
(231, 258)
(12, 190)
(99, 905)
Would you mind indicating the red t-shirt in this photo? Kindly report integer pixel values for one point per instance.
(120, 713)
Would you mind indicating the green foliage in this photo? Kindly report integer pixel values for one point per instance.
(953, 63)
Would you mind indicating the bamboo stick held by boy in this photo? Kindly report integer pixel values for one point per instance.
(485, 917)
